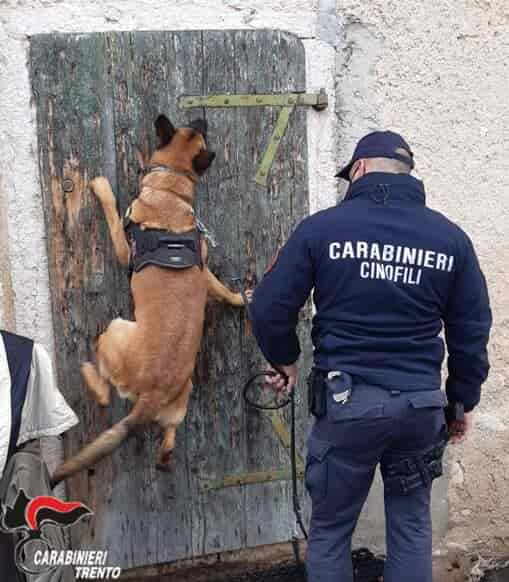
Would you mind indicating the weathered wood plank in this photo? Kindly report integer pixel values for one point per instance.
(219, 373)
(268, 61)
(294, 153)
(151, 507)
(74, 130)
(97, 97)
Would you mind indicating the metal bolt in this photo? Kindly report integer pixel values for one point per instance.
(68, 185)
(322, 100)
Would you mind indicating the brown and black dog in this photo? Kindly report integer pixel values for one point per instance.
(151, 360)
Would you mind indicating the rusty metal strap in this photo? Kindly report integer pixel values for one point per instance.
(250, 478)
(288, 102)
(318, 100)
(282, 432)
(270, 151)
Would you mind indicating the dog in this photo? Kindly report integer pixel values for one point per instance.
(151, 360)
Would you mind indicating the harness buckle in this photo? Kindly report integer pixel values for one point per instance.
(211, 239)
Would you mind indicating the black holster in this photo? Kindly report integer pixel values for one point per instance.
(317, 394)
(403, 477)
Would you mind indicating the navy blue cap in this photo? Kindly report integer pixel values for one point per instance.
(379, 144)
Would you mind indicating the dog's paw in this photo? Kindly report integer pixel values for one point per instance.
(100, 186)
(165, 467)
(96, 385)
(164, 462)
(238, 298)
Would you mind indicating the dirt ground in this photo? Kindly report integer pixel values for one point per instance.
(286, 571)
(277, 564)
(501, 575)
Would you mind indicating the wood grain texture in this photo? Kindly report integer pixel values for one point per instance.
(96, 97)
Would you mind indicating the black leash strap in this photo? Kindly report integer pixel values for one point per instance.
(293, 460)
(293, 449)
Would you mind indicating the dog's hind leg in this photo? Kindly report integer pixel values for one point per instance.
(163, 457)
(102, 189)
(170, 418)
(111, 354)
(97, 385)
(142, 413)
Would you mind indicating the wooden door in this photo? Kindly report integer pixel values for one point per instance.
(97, 96)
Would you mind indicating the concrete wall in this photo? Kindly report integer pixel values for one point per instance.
(434, 70)
(437, 71)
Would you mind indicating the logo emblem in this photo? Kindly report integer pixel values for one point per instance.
(28, 516)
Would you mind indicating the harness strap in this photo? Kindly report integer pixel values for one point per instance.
(163, 248)
(169, 170)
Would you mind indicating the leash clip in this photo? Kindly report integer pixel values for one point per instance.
(211, 239)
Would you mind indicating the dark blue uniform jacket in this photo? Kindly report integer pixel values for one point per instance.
(388, 273)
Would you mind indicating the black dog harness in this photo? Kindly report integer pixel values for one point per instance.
(163, 248)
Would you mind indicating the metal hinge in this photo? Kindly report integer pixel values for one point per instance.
(288, 102)
(239, 479)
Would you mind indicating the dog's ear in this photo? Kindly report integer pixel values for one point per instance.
(202, 161)
(165, 130)
(200, 126)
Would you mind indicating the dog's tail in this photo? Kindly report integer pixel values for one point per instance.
(100, 448)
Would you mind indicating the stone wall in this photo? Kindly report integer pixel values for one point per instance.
(437, 71)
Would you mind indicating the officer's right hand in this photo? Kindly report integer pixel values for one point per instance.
(278, 382)
(460, 434)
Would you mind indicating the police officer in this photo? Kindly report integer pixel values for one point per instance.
(387, 273)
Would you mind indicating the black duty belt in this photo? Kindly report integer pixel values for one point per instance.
(163, 248)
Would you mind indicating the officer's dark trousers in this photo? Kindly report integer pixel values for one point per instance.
(344, 449)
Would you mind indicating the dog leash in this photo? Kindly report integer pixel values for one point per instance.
(299, 523)
(236, 279)
(293, 447)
